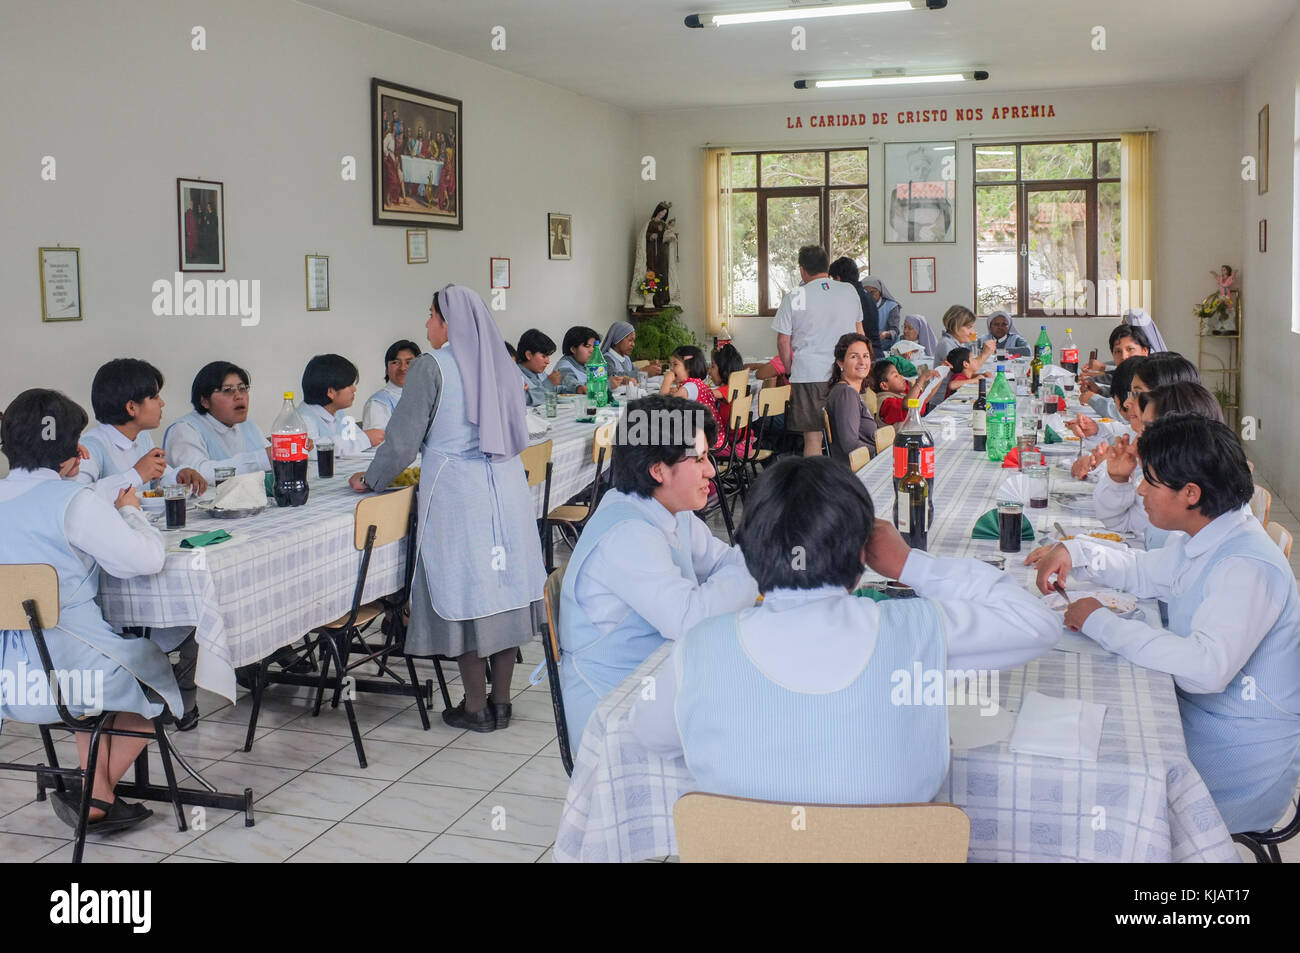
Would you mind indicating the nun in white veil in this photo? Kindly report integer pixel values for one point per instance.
(1137, 318)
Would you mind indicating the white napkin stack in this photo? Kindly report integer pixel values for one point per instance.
(245, 491)
(538, 426)
(1058, 727)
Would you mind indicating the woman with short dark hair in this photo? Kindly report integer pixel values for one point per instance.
(380, 405)
(218, 432)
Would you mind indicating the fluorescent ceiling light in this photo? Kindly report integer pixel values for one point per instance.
(891, 79)
(700, 20)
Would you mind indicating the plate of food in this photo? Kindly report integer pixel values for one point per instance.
(1117, 601)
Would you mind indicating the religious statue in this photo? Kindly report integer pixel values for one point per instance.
(1218, 312)
(652, 255)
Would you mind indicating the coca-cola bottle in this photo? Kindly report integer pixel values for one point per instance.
(289, 455)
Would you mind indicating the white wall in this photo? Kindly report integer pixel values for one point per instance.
(1272, 349)
(1197, 205)
(279, 97)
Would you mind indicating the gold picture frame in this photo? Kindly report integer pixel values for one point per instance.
(60, 283)
(317, 276)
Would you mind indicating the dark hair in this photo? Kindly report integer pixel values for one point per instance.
(1121, 381)
(40, 430)
(879, 371)
(575, 337)
(728, 360)
(535, 341)
(1186, 448)
(396, 348)
(510, 349)
(693, 358)
(841, 349)
(1164, 368)
(210, 378)
(806, 522)
(813, 259)
(957, 357)
(1128, 331)
(323, 372)
(656, 429)
(119, 382)
(844, 269)
(1184, 397)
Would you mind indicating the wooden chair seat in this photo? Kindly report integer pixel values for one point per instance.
(569, 513)
(365, 613)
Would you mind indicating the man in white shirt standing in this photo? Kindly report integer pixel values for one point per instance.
(808, 323)
(1233, 641)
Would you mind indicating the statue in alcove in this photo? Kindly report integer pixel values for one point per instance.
(653, 244)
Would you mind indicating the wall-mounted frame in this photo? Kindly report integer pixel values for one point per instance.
(1261, 174)
(318, 282)
(60, 284)
(923, 276)
(415, 150)
(559, 236)
(921, 185)
(500, 272)
(201, 225)
(1263, 235)
(417, 246)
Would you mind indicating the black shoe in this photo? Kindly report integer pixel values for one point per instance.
(246, 676)
(482, 720)
(289, 661)
(501, 712)
(118, 816)
(189, 721)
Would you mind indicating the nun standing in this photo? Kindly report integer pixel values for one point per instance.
(888, 308)
(478, 578)
(1003, 333)
(617, 347)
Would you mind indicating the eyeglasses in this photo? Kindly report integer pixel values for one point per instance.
(401, 362)
(237, 390)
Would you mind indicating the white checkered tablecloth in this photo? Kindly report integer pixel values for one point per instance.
(283, 572)
(1141, 801)
(572, 467)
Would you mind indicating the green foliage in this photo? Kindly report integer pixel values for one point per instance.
(659, 335)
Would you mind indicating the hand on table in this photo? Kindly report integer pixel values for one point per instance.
(194, 480)
(886, 552)
(1121, 459)
(126, 497)
(1077, 612)
(1051, 560)
(358, 482)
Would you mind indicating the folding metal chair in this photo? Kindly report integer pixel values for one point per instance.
(1263, 844)
(551, 646)
(574, 516)
(537, 469)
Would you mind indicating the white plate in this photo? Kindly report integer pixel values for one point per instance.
(1122, 603)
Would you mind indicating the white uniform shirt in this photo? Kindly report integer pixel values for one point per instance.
(1243, 599)
(376, 414)
(1118, 505)
(185, 448)
(830, 309)
(122, 541)
(123, 454)
(349, 439)
(633, 569)
(988, 622)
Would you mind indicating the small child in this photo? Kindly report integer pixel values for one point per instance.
(687, 377)
(964, 368)
(531, 357)
(894, 391)
(579, 342)
(329, 387)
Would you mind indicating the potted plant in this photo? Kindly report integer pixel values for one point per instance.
(660, 334)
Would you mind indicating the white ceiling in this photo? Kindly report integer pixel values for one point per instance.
(638, 54)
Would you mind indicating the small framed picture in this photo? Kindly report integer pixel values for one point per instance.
(1263, 234)
(559, 236)
(60, 284)
(923, 281)
(417, 246)
(318, 283)
(201, 225)
(1261, 174)
(500, 272)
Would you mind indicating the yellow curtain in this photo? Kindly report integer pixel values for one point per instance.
(1137, 242)
(717, 239)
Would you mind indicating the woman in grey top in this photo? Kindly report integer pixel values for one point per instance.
(852, 425)
(478, 577)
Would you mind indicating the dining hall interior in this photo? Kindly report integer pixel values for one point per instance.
(254, 203)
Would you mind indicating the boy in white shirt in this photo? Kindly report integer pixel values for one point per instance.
(329, 387)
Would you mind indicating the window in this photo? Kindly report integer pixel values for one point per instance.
(1047, 227)
(782, 201)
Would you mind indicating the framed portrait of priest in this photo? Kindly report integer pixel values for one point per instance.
(920, 182)
(201, 225)
(416, 157)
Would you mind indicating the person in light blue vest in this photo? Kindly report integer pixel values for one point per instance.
(1233, 640)
(381, 404)
(579, 342)
(329, 388)
(816, 695)
(531, 357)
(646, 568)
(66, 525)
(218, 433)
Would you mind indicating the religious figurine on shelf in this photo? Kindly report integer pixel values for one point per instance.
(1218, 312)
(652, 244)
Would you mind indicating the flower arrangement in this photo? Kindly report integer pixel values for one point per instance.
(650, 284)
(1218, 310)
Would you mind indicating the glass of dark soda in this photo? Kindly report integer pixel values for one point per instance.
(324, 459)
(174, 503)
(1009, 517)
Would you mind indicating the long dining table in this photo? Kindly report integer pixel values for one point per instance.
(1142, 800)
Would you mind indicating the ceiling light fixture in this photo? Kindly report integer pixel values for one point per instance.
(892, 79)
(810, 12)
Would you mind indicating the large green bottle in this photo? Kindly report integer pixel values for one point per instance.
(1043, 346)
(597, 378)
(1001, 418)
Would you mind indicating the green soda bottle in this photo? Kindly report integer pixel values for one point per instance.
(1000, 421)
(597, 378)
(1043, 346)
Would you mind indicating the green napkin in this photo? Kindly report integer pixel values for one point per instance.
(873, 594)
(584, 420)
(1060, 392)
(270, 483)
(905, 367)
(205, 539)
(1053, 436)
(986, 527)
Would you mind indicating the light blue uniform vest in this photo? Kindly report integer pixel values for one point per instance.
(620, 364)
(591, 664)
(382, 396)
(539, 385)
(82, 641)
(478, 525)
(746, 736)
(1247, 751)
(572, 374)
(252, 438)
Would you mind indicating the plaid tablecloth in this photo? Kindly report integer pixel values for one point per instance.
(1142, 800)
(572, 467)
(283, 572)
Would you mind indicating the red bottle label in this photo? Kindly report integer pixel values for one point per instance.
(289, 447)
(927, 462)
(1070, 355)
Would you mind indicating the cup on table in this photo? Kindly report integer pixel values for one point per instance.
(996, 560)
(221, 474)
(552, 403)
(1037, 476)
(641, 378)
(174, 503)
(1025, 441)
(1009, 517)
(325, 459)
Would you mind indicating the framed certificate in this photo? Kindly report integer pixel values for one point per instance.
(60, 284)
(318, 283)
(500, 272)
(923, 281)
(417, 246)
